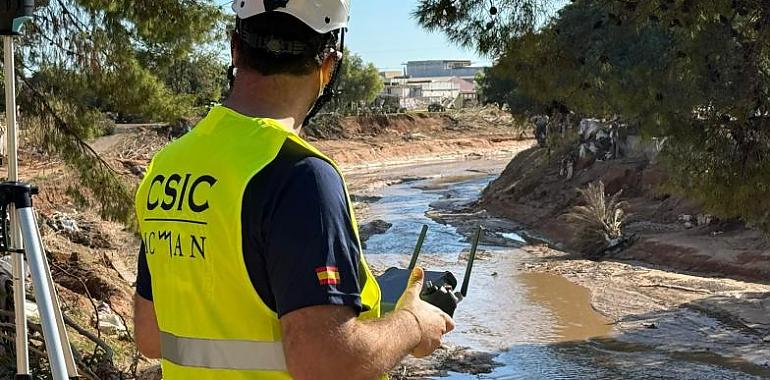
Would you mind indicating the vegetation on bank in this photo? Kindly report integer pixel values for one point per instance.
(694, 72)
(600, 220)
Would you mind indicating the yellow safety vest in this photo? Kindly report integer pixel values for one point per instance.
(213, 323)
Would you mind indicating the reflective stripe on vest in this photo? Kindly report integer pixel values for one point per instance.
(223, 354)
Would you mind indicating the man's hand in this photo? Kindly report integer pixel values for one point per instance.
(433, 322)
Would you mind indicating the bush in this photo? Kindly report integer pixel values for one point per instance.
(599, 221)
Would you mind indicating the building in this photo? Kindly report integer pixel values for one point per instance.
(390, 74)
(442, 68)
(449, 83)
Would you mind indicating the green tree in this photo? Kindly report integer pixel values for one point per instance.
(201, 75)
(359, 82)
(695, 71)
(82, 57)
(484, 25)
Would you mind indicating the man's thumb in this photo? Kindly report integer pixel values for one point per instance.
(416, 280)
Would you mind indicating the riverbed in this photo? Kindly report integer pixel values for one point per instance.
(539, 325)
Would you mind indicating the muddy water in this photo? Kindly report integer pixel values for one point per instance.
(569, 304)
(541, 325)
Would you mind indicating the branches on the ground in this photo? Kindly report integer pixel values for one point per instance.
(37, 328)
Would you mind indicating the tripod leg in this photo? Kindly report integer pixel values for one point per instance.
(43, 292)
(19, 276)
(69, 357)
(19, 299)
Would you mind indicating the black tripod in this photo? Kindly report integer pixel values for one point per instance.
(21, 238)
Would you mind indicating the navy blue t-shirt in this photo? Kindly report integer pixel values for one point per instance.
(295, 220)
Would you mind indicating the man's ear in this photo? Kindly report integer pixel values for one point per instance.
(329, 65)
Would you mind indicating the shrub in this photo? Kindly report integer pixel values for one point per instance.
(599, 221)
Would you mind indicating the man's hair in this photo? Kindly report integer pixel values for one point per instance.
(277, 43)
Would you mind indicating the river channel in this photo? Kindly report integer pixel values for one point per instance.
(542, 326)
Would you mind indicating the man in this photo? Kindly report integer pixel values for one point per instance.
(251, 266)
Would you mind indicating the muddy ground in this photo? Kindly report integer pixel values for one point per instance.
(725, 320)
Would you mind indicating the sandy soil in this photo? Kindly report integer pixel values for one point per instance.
(672, 311)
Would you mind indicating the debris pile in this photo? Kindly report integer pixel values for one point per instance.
(77, 229)
(445, 360)
(109, 322)
(473, 118)
(143, 145)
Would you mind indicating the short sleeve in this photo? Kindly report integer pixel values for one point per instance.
(311, 251)
(143, 278)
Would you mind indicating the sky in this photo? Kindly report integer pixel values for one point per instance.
(383, 32)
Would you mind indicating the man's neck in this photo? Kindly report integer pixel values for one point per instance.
(283, 98)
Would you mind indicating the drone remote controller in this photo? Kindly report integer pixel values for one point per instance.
(439, 287)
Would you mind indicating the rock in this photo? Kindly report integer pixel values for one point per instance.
(109, 322)
(481, 254)
(766, 339)
(6, 283)
(704, 219)
(689, 225)
(78, 230)
(32, 311)
(415, 137)
(377, 227)
(6, 265)
(65, 223)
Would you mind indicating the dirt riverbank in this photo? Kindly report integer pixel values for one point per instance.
(673, 232)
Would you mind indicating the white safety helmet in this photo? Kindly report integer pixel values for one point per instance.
(323, 16)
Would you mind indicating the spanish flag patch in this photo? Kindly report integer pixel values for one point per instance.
(328, 275)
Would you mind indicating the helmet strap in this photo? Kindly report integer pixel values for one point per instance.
(330, 91)
(231, 75)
